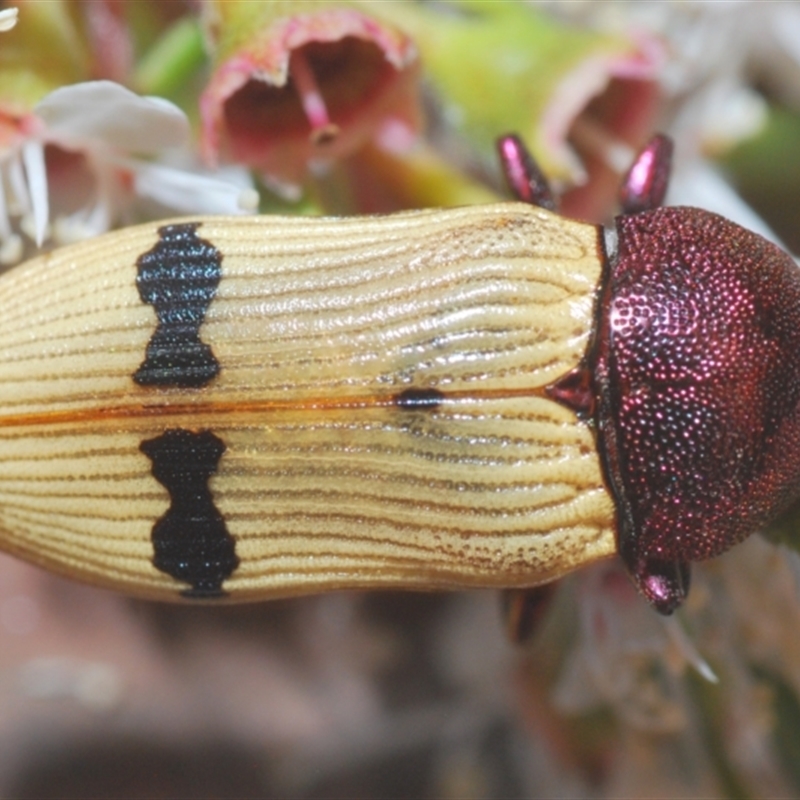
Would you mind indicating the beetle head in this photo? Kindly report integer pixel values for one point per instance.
(698, 379)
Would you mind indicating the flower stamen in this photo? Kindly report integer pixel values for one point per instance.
(36, 172)
(18, 201)
(323, 131)
(5, 221)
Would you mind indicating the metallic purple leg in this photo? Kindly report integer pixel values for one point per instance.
(524, 611)
(645, 185)
(526, 181)
(665, 584)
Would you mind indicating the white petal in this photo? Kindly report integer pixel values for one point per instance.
(82, 224)
(36, 171)
(8, 19)
(108, 114)
(189, 192)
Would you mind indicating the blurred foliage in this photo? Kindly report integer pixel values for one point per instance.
(766, 171)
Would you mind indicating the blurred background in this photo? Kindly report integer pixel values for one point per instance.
(361, 107)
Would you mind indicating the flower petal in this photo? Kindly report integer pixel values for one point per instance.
(104, 111)
(225, 192)
(8, 18)
(36, 173)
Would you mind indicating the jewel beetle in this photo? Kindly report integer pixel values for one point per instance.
(252, 407)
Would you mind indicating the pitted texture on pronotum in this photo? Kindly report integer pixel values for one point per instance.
(699, 381)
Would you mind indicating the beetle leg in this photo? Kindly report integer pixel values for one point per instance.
(525, 179)
(664, 583)
(524, 611)
(645, 184)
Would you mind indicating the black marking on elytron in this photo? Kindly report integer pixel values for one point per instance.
(190, 542)
(178, 277)
(424, 399)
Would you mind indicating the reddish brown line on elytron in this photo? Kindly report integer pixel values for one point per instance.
(171, 410)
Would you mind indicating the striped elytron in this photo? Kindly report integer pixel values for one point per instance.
(256, 407)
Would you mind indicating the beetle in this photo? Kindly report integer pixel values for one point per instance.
(250, 407)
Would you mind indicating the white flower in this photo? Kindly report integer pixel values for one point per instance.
(93, 155)
(8, 19)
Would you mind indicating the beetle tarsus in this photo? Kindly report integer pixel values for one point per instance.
(525, 179)
(645, 184)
